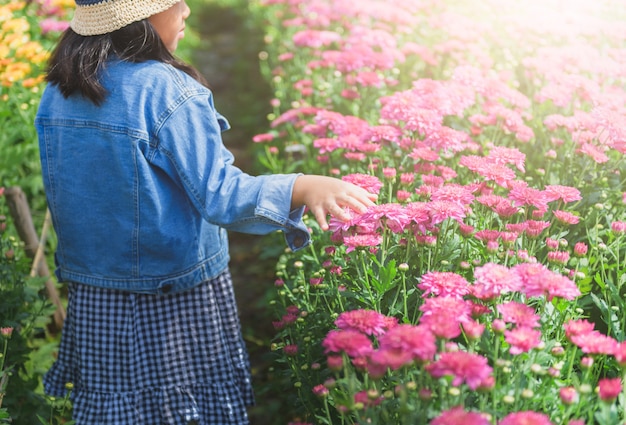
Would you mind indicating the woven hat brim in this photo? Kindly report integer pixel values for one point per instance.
(111, 15)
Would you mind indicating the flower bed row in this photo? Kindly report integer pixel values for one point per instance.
(486, 286)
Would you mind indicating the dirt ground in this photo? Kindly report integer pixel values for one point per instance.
(228, 58)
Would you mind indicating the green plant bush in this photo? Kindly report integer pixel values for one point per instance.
(496, 148)
(24, 315)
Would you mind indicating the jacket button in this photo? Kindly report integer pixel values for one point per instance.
(298, 242)
(166, 288)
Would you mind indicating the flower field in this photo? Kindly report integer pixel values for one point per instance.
(487, 285)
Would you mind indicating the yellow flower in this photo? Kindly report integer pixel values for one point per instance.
(65, 4)
(16, 25)
(16, 5)
(14, 72)
(28, 50)
(13, 41)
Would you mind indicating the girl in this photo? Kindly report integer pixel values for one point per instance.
(142, 191)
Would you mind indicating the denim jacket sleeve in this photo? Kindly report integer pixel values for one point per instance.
(190, 150)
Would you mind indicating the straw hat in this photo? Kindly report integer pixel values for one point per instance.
(94, 17)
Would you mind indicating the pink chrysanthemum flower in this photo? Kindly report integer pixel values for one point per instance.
(525, 418)
(505, 209)
(594, 152)
(473, 330)
(517, 227)
(580, 249)
(522, 339)
(407, 178)
(620, 354)
(462, 195)
(369, 322)
(458, 416)
(519, 314)
(498, 173)
(370, 183)
(594, 342)
(493, 280)
(442, 210)
(445, 284)
(470, 368)
(392, 216)
(504, 155)
(609, 389)
(577, 327)
(566, 217)
(537, 280)
(444, 315)
(351, 342)
(535, 227)
(404, 344)
(380, 133)
(315, 39)
(490, 200)
(294, 115)
(432, 180)
(487, 235)
(564, 193)
(528, 196)
(618, 226)
(419, 215)
(365, 240)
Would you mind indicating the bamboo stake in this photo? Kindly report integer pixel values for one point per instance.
(35, 246)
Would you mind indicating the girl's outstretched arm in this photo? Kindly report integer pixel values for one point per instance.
(328, 195)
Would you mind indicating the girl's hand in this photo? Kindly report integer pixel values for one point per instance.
(328, 195)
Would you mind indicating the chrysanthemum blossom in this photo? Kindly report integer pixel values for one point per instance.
(528, 196)
(618, 226)
(454, 193)
(577, 327)
(444, 315)
(351, 342)
(566, 217)
(620, 354)
(504, 155)
(609, 389)
(370, 183)
(519, 314)
(568, 395)
(580, 249)
(594, 342)
(365, 240)
(315, 39)
(404, 344)
(369, 322)
(525, 418)
(564, 193)
(522, 339)
(493, 280)
(535, 227)
(462, 366)
(391, 215)
(537, 280)
(441, 210)
(458, 416)
(446, 284)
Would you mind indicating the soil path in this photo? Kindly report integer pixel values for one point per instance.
(228, 57)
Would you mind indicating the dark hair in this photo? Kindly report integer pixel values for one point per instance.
(77, 61)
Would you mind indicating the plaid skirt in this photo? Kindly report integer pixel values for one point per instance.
(137, 359)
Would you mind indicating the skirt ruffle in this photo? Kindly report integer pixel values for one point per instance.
(153, 359)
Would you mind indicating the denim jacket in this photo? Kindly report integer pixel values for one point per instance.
(142, 190)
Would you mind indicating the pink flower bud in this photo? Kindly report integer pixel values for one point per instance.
(568, 395)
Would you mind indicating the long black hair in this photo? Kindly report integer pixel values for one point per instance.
(77, 61)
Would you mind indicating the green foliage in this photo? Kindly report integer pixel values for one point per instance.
(24, 310)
